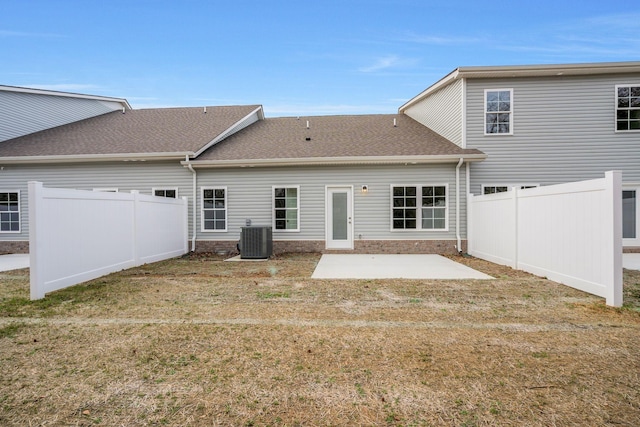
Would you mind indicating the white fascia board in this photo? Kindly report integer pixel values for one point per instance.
(551, 69)
(122, 101)
(82, 158)
(326, 161)
(258, 111)
(445, 81)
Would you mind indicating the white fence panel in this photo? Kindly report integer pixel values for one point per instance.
(486, 215)
(570, 233)
(161, 228)
(77, 236)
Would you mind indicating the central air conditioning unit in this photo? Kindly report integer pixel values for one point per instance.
(255, 242)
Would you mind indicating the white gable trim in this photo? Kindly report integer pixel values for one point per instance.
(122, 101)
(247, 120)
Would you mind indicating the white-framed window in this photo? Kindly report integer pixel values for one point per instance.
(420, 207)
(498, 112)
(286, 208)
(628, 108)
(9, 211)
(214, 209)
(106, 190)
(501, 188)
(631, 215)
(165, 192)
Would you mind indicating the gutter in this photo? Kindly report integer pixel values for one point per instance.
(84, 158)
(324, 161)
(193, 213)
(458, 238)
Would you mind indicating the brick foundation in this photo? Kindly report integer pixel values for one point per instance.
(360, 246)
(407, 246)
(14, 247)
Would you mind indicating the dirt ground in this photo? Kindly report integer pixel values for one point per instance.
(200, 341)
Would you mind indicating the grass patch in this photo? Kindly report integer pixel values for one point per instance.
(272, 295)
(10, 330)
(200, 341)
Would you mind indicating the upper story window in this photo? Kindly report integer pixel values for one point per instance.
(165, 192)
(9, 211)
(498, 114)
(214, 209)
(286, 208)
(417, 207)
(501, 188)
(627, 108)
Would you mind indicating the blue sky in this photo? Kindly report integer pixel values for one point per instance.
(295, 57)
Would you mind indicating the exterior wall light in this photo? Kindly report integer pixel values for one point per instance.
(365, 189)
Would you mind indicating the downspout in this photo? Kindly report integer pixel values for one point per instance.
(458, 238)
(193, 214)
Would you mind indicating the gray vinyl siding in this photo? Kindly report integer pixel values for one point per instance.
(442, 112)
(249, 196)
(25, 113)
(563, 130)
(123, 176)
(250, 193)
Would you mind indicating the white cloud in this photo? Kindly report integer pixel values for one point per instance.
(387, 62)
(440, 40)
(9, 33)
(292, 110)
(66, 87)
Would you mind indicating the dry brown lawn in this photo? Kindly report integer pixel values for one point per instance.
(201, 342)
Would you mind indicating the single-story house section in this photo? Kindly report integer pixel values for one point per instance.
(372, 183)
(119, 150)
(367, 183)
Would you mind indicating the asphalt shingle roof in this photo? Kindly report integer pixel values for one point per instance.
(161, 130)
(333, 136)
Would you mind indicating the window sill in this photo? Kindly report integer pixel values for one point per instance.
(420, 230)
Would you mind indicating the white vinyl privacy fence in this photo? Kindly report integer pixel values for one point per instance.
(77, 235)
(570, 233)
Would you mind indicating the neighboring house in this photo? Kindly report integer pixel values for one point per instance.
(379, 183)
(24, 111)
(542, 125)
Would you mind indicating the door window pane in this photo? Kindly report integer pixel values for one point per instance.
(339, 216)
(629, 203)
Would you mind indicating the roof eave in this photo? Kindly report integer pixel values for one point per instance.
(84, 158)
(337, 161)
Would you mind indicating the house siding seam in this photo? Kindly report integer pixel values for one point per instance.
(442, 112)
(564, 130)
(25, 113)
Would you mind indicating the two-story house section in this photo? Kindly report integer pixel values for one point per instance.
(542, 125)
(26, 110)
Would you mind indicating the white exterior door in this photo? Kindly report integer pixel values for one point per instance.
(339, 217)
(630, 216)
